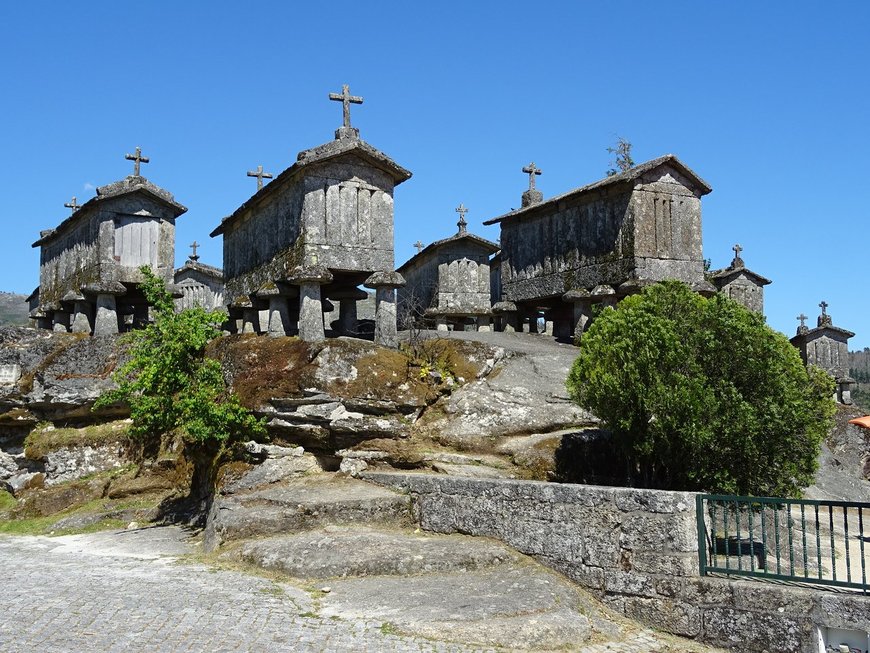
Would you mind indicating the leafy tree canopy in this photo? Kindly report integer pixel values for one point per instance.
(700, 394)
(172, 388)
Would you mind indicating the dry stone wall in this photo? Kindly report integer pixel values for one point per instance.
(637, 550)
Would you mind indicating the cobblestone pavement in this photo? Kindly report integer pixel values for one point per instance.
(127, 592)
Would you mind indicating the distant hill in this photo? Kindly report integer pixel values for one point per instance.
(859, 369)
(13, 310)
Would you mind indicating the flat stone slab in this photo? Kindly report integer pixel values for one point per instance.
(362, 551)
(519, 606)
(303, 504)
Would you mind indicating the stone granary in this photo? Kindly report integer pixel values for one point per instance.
(827, 346)
(741, 284)
(89, 264)
(448, 281)
(318, 230)
(200, 285)
(598, 243)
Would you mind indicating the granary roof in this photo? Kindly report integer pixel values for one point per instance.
(33, 295)
(333, 149)
(817, 331)
(725, 273)
(208, 270)
(623, 177)
(431, 247)
(130, 184)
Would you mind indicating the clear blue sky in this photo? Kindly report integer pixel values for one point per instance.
(767, 101)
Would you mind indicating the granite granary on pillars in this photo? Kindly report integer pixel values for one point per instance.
(827, 347)
(199, 285)
(598, 243)
(89, 264)
(448, 282)
(318, 230)
(741, 284)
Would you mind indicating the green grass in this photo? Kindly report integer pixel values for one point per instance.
(45, 438)
(7, 501)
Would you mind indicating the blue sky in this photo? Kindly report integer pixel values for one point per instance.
(767, 101)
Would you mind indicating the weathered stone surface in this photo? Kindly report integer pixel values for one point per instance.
(273, 470)
(746, 630)
(301, 504)
(362, 551)
(526, 396)
(69, 463)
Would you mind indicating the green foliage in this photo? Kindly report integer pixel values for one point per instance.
(169, 384)
(622, 160)
(702, 395)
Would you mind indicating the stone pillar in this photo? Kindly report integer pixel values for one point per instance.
(309, 279)
(441, 323)
(60, 321)
(347, 310)
(483, 323)
(310, 312)
(279, 316)
(250, 320)
(581, 310)
(385, 284)
(275, 319)
(82, 321)
(43, 322)
(106, 320)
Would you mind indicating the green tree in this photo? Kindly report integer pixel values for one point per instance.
(173, 389)
(622, 160)
(700, 394)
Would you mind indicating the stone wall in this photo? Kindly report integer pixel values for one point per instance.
(637, 550)
(743, 290)
(70, 260)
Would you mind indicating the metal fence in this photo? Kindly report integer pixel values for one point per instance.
(819, 542)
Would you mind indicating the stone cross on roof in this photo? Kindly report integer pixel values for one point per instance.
(419, 245)
(737, 262)
(531, 170)
(803, 328)
(193, 246)
(346, 100)
(260, 175)
(824, 318)
(72, 206)
(462, 224)
(137, 159)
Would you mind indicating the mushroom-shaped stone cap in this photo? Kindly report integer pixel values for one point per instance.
(51, 306)
(504, 307)
(633, 286)
(242, 301)
(38, 312)
(704, 288)
(602, 290)
(72, 296)
(174, 290)
(309, 274)
(105, 288)
(576, 295)
(268, 289)
(385, 279)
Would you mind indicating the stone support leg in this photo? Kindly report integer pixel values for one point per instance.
(43, 323)
(581, 313)
(483, 323)
(264, 315)
(250, 320)
(60, 322)
(310, 312)
(386, 333)
(106, 321)
(82, 321)
(279, 316)
(347, 319)
(441, 323)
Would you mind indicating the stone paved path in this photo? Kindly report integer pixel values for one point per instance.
(126, 592)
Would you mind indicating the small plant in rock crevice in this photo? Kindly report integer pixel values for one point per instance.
(172, 389)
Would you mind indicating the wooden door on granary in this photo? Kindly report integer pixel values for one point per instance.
(136, 241)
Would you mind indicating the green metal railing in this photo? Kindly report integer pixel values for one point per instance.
(819, 542)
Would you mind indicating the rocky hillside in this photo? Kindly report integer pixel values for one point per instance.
(13, 310)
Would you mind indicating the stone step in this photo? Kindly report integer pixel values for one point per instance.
(342, 551)
(303, 504)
